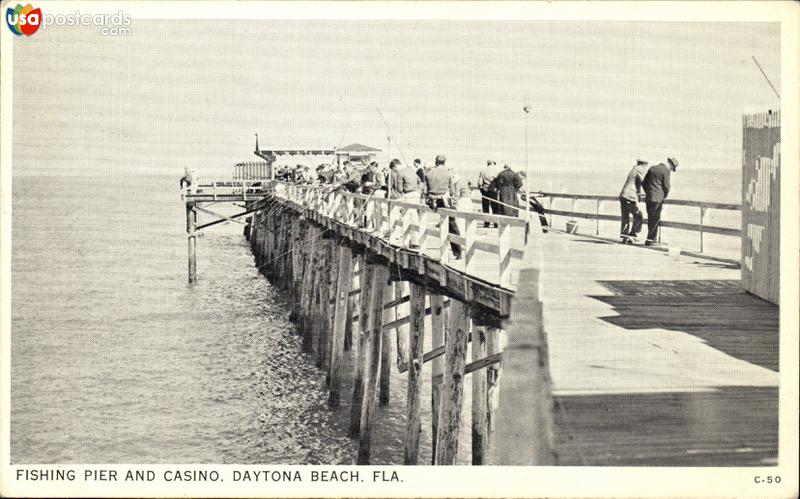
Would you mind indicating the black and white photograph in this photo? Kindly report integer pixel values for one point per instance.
(322, 249)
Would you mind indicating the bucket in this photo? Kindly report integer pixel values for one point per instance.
(674, 252)
(572, 227)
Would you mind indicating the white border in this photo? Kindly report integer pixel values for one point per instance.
(461, 481)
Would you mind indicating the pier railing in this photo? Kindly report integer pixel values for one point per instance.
(490, 257)
(701, 227)
(224, 190)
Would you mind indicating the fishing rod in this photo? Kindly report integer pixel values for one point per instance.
(392, 135)
(766, 77)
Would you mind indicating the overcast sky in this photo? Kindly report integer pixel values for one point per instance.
(180, 93)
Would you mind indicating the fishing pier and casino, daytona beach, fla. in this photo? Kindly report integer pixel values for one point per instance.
(536, 347)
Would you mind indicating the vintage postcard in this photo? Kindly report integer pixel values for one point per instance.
(401, 249)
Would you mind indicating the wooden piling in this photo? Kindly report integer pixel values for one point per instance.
(437, 366)
(376, 287)
(342, 296)
(452, 395)
(493, 346)
(329, 278)
(319, 283)
(191, 223)
(480, 430)
(401, 290)
(386, 351)
(297, 274)
(415, 379)
(307, 288)
(360, 354)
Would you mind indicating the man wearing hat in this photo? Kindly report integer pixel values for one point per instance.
(656, 189)
(507, 183)
(629, 202)
(487, 187)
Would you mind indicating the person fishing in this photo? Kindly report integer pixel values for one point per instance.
(632, 192)
(507, 184)
(439, 190)
(488, 190)
(370, 180)
(656, 189)
(533, 203)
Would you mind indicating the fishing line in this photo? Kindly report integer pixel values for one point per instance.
(392, 136)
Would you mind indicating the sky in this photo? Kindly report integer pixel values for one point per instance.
(193, 93)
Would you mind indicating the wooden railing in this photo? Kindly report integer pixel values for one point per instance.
(416, 226)
(701, 227)
(224, 190)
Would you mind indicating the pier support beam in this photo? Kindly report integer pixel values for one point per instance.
(306, 294)
(386, 348)
(480, 430)
(452, 394)
(344, 282)
(191, 223)
(377, 284)
(437, 367)
(415, 380)
(360, 357)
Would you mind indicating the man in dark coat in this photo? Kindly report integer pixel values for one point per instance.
(656, 189)
(507, 185)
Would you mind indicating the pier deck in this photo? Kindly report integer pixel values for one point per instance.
(657, 360)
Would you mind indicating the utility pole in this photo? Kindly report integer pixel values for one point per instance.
(527, 109)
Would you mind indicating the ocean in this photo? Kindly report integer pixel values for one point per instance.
(116, 359)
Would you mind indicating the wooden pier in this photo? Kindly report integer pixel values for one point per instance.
(579, 350)
(536, 331)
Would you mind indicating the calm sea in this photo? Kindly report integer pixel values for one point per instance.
(115, 359)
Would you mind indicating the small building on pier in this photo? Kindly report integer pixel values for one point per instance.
(357, 153)
(252, 170)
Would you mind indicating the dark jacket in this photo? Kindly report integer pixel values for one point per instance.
(656, 183)
(507, 184)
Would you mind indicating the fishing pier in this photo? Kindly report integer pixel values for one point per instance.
(538, 346)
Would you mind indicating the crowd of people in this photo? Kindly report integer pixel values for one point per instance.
(502, 189)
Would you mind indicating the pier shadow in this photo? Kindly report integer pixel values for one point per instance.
(719, 312)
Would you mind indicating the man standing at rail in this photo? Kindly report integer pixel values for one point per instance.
(656, 188)
(439, 187)
(629, 198)
(508, 185)
(487, 187)
(405, 182)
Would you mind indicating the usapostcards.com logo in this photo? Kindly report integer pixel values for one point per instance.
(27, 20)
(23, 20)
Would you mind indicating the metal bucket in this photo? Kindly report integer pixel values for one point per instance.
(572, 227)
